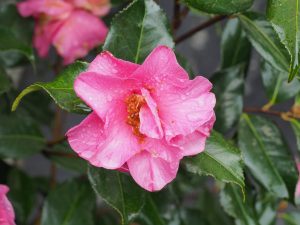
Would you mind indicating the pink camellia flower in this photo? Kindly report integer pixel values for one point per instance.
(145, 117)
(72, 26)
(7, 215)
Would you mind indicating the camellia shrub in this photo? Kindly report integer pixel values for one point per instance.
(153, 142)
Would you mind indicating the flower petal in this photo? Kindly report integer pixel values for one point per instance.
(191, 144)
(194, 143)
(43, 36)
(183, 110)
(97, 7)
(54, 9)
(7, 215)
(149, 120)
(297, 193)
(80, 33)
(107, 65)
(156, 166)
(87, 136)
(161, 69)
(101, 92)
(108, 146)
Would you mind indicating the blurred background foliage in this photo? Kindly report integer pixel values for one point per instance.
(247, 174)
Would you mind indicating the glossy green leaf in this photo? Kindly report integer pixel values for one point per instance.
(276, 84)
(19, 136)
(137, 30)
(264, 39)
(219, 6)
(65, 157)
(285, 18)
(296, 128)
(291, 218)
(70, 203)
(22, 194)
(9, 42)
(266, 155)
(119, 191)
(233, 203)
(5, 83)
(228, 85)
(61, 89)
(220, 159)
(235, 48)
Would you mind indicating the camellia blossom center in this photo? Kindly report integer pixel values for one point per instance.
(134, 104)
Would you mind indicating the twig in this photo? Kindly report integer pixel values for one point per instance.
(48, 153)
(201, 27)
(258, 110)
(176, 15)
(57, 141)
(284, 115)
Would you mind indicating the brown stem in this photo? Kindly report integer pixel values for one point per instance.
(176, 15)
(283, 115)
(57, 128)
(56, 141)
(48, 153)
(258, 110)
(200, 27)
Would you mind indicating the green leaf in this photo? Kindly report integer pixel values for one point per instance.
(258, 209)
(21, 27)
(65, 157)
(19, 30)
(9, 42)
(220, 159)
(229, 89)
(61, 89)
(137, 30)
(70, 203)
(296, 128)
(291, 218)
(234, 205)
(22, 195)
(210, 207)
(266, 155)
(264, 39)
(276, 84)
(236, 48)
(119, 191)
(38, 107)
(219, 6)
(19, 136)
(150, 214)
(5, 83)
(287, 28)
(266, 206)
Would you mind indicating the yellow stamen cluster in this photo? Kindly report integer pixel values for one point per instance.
(134, 103)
